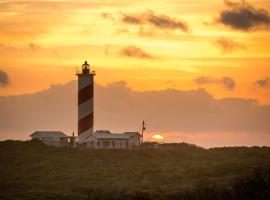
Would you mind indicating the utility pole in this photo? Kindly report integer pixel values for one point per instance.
(143, 129)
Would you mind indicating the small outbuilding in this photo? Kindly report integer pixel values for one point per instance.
(54, 138)
(104, 139)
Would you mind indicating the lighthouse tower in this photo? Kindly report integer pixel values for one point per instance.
(85, 102)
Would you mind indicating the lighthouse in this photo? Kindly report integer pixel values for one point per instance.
(85, 102)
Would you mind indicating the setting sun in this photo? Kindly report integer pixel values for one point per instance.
(157, 138)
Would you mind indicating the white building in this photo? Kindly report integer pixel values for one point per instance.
(54, 138)
(104, 139)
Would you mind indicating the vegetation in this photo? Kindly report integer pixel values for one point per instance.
(31, 170)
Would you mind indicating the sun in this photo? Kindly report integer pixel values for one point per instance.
(157, 138)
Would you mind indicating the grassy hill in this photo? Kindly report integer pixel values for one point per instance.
(31, 170)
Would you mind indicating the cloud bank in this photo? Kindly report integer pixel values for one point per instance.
(118, 108)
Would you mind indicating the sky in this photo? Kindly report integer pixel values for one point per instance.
(218, 47)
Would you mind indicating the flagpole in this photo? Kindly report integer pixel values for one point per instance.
(143, 129)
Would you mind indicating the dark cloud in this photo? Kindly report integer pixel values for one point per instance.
(163, 22)
(225, 81)
(228, 82)
(119, 108)
(227, 46)
(135, 52)
(4, 79)
(263, 82)
(132, 19)
(243, 16)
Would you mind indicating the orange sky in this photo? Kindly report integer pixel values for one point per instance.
(42, 42)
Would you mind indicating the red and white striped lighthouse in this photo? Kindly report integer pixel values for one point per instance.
(85, 102)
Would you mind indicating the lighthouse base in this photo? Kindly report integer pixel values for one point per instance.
(83, 136)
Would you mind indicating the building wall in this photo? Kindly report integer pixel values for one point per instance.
(51, 141)
(54, 141)
(134, 141)
(108, 144)
(111, 143)
(48, 140)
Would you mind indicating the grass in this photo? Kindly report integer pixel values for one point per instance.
(31, 170)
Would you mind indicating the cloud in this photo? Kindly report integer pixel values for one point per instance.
(225, 81)
(119, 108)
(132, 19)
(228, 82)
(227, 46)
(204, 80)
(4, 79)
(165, 22)
(243, 16)
(135, 52)
(149, 18)
(263, 82)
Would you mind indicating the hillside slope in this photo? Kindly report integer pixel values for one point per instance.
(31, 170)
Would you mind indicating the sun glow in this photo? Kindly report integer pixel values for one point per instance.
(157, 138)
